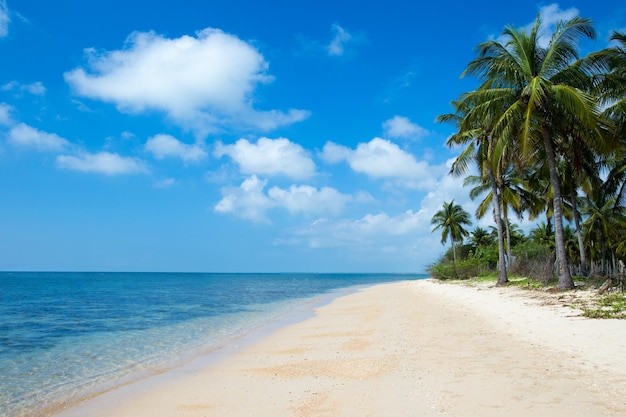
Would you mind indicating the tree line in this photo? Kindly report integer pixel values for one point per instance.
(545, 131)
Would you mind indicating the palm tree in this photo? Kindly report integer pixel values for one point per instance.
(611, 82)
(481, 237)
(451, 219)
(514, 194)
(543, 87)
(475, 133)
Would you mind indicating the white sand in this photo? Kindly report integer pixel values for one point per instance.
(414, 348)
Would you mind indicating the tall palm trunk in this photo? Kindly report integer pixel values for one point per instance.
(502, 276)
(507, 225)
(456, 271)
(565, 278)
(579, 234)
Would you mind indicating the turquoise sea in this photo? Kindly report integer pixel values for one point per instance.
(64, 336)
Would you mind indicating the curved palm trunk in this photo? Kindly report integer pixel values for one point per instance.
(565, 278)
(502, 277)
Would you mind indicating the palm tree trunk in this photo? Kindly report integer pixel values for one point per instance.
(579, 234)
(456, 272)
(507, 226)
(502, 277)
(565, 278)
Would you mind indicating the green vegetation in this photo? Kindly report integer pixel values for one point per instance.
(608, 306)
(545, 133)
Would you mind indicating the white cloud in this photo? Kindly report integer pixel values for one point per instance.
(4, 19)
(204, 82)
(28, 136)
(101, 162)
(250, 201)
(372, 231)
(550, 16)
(380, 158)
(337, 45)
(307, 199)
(5, 115)
(36, 88)
(400, 127)
(164, 146)
(269, 157)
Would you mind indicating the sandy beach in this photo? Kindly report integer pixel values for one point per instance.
(411, 348)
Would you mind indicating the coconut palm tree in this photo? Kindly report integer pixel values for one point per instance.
(481, 238)
(475, 134)
(514, 195)
(543, 87)
(452, 219)
(610, 83)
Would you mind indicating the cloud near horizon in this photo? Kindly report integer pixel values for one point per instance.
(204, 83)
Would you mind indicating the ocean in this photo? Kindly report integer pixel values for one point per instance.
(65, 336)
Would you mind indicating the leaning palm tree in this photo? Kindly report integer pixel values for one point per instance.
(451, 219)
(544, 85)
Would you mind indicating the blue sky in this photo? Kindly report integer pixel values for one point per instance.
(237, 135)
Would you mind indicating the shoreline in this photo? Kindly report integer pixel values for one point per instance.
(200, 357)
(403, 348)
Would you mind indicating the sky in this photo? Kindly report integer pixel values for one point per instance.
(239, 136)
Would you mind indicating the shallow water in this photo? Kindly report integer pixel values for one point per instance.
(64, 336)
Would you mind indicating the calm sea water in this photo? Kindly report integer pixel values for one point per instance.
(64, 336)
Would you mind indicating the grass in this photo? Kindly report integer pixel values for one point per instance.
(514, 281)
(584, 298)
(607, 306)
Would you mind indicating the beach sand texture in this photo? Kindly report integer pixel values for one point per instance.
(412, 348)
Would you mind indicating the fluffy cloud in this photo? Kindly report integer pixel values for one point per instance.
(27, 136)
(36, 88)
(336, 46)
(164, 146)
(269, 157)
(101, 162)
(4, 19)
(400, 127)
(307, 199)
(250, 201)
(203, 82)
(380, 158)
